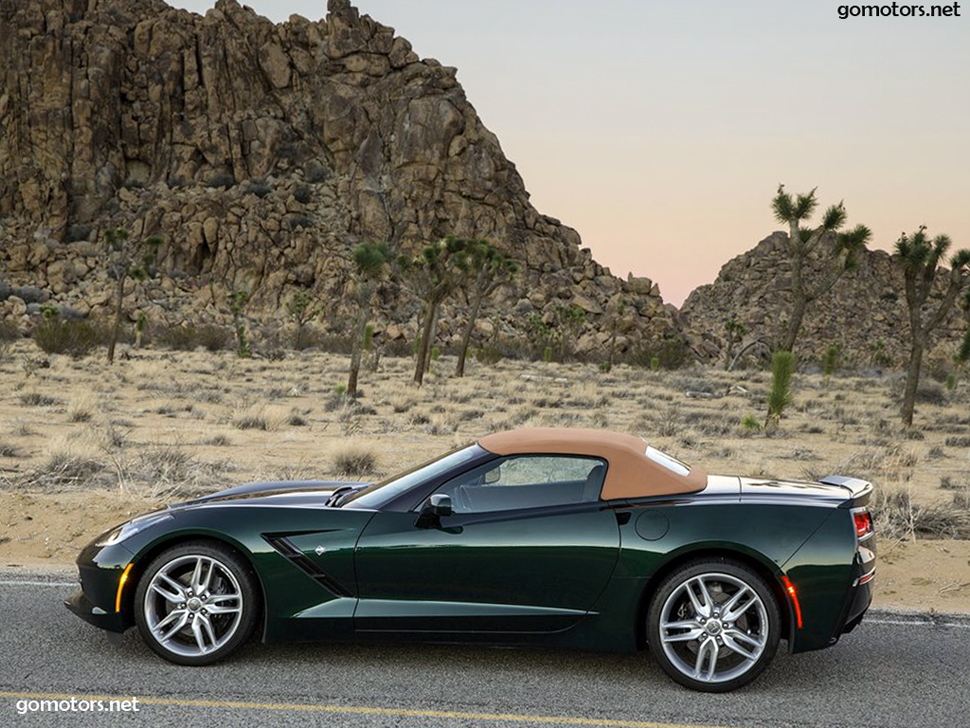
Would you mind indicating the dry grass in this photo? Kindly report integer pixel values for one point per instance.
(169, 422)
(355, 460)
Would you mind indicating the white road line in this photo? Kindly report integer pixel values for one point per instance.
(916, 623)
(11, 582)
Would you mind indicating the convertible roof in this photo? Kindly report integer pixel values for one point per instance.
(631, 474)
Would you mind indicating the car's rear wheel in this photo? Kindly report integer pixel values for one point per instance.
(196, 603)
(713, 625)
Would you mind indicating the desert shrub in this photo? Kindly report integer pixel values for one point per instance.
(36, 399)
(750, 423)
(76, 233)
(830, 360)
(897, 516)
(259, 188)
(9, 451)
(8, 334)
(63, 468)
(221, 179)
(958, 441)
(187, 338)
(355, 460)
(250, 421)
(302, 194)
(316, 172)
(74, 338)
(489, 355)
(213, 338)
(180, 338)
(670, 353)
(665, 421)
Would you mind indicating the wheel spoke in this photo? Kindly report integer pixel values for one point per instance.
(213, 598)
(207, 626)
(693, 634)
(171, 617)
(197, 631)
(732, 644)
(751, 639)
(169, 596)
(707, 652)
(196, 581)
(176, 585)
(204, 586)
(183, 619)
(732, 611)
(216, 609)
(703, 606)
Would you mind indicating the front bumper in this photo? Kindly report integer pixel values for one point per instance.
(91, 613)
(98, 601)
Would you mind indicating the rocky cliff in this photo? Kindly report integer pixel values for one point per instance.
(262, 154)
(865, 314)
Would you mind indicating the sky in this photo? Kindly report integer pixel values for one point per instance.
(661, 129)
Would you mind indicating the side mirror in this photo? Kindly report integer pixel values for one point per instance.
(493, 476)
(433, 509)
(440, 505)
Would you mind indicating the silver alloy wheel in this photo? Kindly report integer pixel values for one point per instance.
(713, 627)
(193, 605)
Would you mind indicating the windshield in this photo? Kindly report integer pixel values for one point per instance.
(377, 495)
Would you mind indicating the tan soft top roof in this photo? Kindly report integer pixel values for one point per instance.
(631, 474)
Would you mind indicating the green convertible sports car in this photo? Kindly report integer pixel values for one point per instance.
(562, 537)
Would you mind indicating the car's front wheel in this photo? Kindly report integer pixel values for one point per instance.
(196, 603)
(713, 625)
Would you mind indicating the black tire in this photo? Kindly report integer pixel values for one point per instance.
(689, 631)
(231, 585)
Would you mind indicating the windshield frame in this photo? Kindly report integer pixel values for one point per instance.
(404, 491)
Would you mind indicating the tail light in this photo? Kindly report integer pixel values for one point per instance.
(863, 523)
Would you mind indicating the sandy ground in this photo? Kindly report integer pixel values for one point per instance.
(84, 446)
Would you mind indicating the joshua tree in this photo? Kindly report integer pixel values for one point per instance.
(370, 264)
(434, 274)
(571, 319)
(782, 369)
(838, 249)
(617, 313)
(487, 270)
(735, 333)
(918, 256)
(237, 305)
(302, 310)
(127, 259)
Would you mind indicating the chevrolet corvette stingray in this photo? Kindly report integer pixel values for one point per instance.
(577, 538)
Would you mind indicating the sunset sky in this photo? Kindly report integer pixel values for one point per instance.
(660, 130)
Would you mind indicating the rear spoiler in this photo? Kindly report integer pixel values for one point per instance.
(859, 490)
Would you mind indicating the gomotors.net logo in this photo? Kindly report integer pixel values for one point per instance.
(76, 705)
(898, 10)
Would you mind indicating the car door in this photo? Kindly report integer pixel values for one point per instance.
(528, 548)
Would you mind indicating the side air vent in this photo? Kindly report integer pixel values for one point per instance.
(299, 559)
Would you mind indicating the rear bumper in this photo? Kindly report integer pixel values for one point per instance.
(860, 596)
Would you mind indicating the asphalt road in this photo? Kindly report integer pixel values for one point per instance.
(895, 670)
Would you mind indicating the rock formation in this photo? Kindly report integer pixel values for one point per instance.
(865, 314)
(262, 154)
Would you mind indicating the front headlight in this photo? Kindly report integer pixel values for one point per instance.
(129, 529)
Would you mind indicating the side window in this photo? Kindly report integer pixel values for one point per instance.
(526, 481)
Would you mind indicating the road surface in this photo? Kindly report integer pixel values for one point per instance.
(895, 670)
